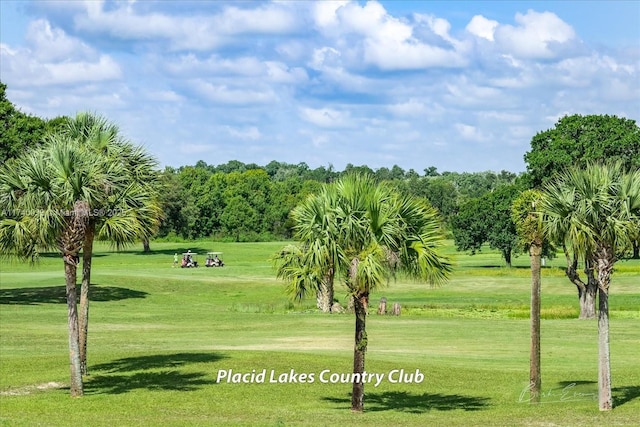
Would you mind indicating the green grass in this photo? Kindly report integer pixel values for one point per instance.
(160, 335)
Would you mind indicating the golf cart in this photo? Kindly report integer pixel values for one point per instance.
(214, 259)
(189, 260)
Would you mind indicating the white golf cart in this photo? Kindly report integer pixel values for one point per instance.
(189, 260)
(214, 259)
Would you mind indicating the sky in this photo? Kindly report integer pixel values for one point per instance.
(459, 85)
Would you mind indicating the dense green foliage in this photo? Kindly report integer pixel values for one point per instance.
(247, 202)
(487, 219)
(20, 132)
(576, 140)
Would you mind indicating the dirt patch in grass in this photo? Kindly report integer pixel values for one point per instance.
(21, 391)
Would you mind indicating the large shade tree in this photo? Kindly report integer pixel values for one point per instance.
(596, 210)
(49, 192)
(368, 233)
(576, 140)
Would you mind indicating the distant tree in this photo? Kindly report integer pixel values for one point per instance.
(238, 217)
(443, 195)
(431, 171)
(176, 204)
(363, 170)
(487, 219)
(593, 209)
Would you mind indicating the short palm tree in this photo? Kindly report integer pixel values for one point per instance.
(595, 210)
(367, 233)
(49, 193)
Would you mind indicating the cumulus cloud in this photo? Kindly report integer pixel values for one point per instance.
(127, 21)
(537, 35)
(384, 41)
(51, 57)
(482, 27)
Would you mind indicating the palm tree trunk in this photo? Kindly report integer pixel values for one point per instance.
(586, 291)
(83, 321)
(324, 299)
(605, 259)
(604, 360)
(588, 298)
(361, 303)
(70, 266)
(145, 244)
(535, 379)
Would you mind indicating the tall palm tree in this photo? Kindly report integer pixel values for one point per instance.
(531, 231)
(130, 214)
(49, 192)
(595, 210)
(368, 233)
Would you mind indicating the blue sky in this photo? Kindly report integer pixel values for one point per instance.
(460, 85)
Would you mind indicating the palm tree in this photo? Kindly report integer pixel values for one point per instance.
(561, 203)
(530, 230)
(595, 210)
(368, 232)
(130, 214)
(49, 192)
(315, 227)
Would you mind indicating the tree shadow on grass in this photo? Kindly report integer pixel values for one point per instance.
(416, 403)
(160, 380)
(622, 395)
(154, 372)
(58, 294)
(156, 361)
(194, 249)
(573, 391)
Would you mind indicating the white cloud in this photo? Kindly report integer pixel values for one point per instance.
(279, 72)
(249, 133)
(324, 12)
(54, 58)
(471, 133)
(53, 44)
(368, 33)
(537, 35)
(77, 72)
(482, 27)
(411, 108)
(227, 94)
(201, 32)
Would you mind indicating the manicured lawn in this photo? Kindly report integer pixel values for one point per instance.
(159, 337)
